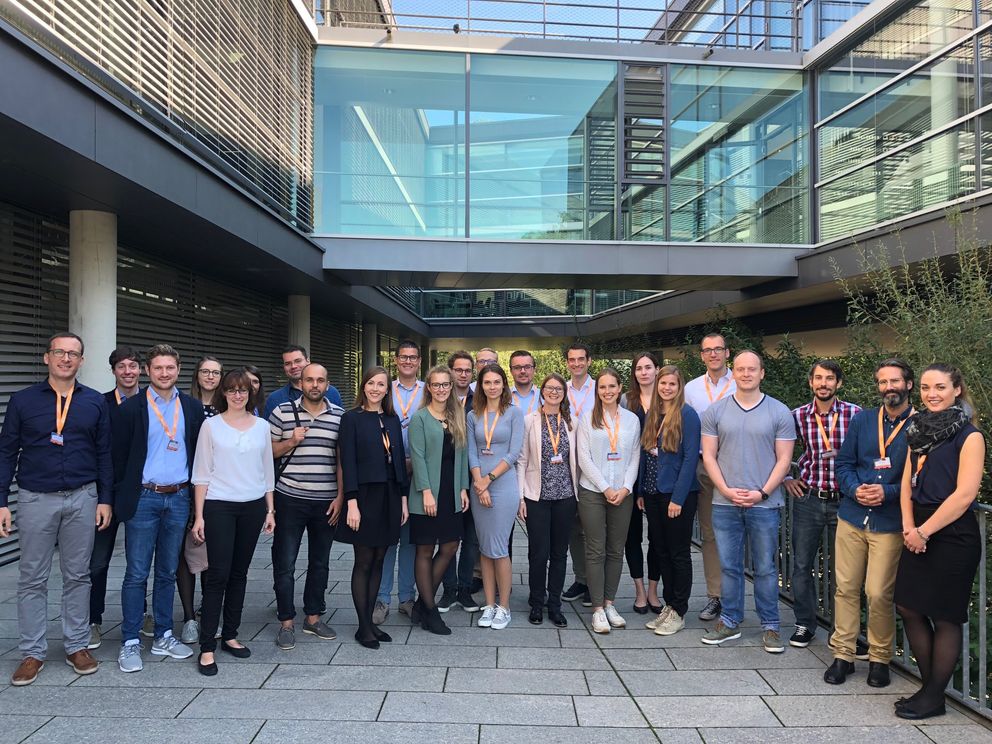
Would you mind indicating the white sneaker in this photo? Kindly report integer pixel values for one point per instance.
(599, 622)
(658, 619)
(613, 617)
(673, 624)
(96, 636)
(191, 632)
(169, 645)
(488, 613)
(501, 619)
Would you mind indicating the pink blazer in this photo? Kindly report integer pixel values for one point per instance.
(529, 462)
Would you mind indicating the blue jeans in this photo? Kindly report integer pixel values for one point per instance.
(407, 590)
(810, 515)
(759, 526)
(156, 529)
(461, 578)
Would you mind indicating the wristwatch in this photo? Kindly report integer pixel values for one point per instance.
(764, 496)
(491, 477)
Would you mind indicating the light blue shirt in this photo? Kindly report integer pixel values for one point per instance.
(406, 399)
(526, 403)
(581, 400)
(162, 465)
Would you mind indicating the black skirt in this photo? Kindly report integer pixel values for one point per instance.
(447, 526)
(938, 582)
(381, 509)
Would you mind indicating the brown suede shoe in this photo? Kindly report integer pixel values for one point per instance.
(82, 662)
(27, 672)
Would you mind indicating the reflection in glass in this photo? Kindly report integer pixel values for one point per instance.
(643, 212)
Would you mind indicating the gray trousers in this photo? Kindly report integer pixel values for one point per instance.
(606, 528)
(44, 519)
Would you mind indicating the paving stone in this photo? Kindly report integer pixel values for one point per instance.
(317, 705)
(854, 710)
(604, 683)
(56, 672)
(475, 636)
(630, 659)
(522, 681)
(706, 710)
(613, 712)
(392, 654)
(348, 732)
(128, 731)
(17, 728)
(742, 657)
(501, 734)
(678, 736)
(958, 734)
(830, 735)
(578, 638)
(384, 678)
(546, 658)
(89, 701)
(458, 707)
(182, 674)
(810, 682)
(727, 682)
(263, 652)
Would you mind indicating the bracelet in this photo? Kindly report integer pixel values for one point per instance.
(270, 511)
(923, 536)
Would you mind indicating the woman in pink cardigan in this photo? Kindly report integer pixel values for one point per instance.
(546, 472)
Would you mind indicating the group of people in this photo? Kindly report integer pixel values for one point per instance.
(427, 478)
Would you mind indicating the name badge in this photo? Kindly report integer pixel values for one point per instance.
(405, 422)
(556, 459)
(883, 463)
(912, 481)
(486, 451)
(172, 446)
(57, 439)
(829, 454)
(612, 456)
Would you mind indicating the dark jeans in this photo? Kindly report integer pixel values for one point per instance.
(103, 551)
(460, 577)
(231, 529)
(549, 527)
(634, 551)
(671, 538)
(293, 517)
(810, 515)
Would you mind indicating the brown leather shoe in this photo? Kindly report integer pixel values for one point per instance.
(82, 662)
(27, 672)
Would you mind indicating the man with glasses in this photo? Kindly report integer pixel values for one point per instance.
(702, 392)
(457, 581)
(483, 359)
(581, 398)
(524, 393)
(56, 440)
(407, 392)
(294, 359)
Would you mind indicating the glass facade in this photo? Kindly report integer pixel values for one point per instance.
(514, 303)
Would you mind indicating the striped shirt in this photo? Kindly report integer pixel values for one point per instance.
(312, 469)
(815, 470)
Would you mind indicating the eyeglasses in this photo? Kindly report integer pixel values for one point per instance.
(59, 353)
(210, 372)
(440, 386)
(714, 350)
(407, 357)
(462, 371)
(236, 391)
(553, 390)
(521, 367)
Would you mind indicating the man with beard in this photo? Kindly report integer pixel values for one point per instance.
(821, 426)
(869, 528)
(294, 359)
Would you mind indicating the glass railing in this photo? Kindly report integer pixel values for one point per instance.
(513, 303)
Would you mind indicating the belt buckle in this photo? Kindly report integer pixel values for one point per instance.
(828, 497)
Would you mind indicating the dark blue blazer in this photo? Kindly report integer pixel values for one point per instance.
(677, 470)
(362, 459)
(130, 447)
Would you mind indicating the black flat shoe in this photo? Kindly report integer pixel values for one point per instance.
(641, 610)
(557, 618)
(536, 616)
(656, 609)
(239, 653)
(381, 635)
(908, 712)
(878, 674)
(207, 670)
(837, 672)
(373, 644)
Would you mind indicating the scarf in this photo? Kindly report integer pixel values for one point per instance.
(928, 429)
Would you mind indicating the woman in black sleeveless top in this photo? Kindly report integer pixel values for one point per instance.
(942, 542)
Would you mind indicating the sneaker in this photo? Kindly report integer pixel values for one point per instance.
(574, 592)
(501, 618)
(448, 598)
(671, 625)
(286, 638)
(169, 645)
(191, 632)
(406, 608)
(587, 599)
(129, 659)
(658, 619)
(380, 613)
(802, 637)
(96, 636)
(320, 629)
(720, 633)
(861, 650)
(465, 600)
(599, 622)
(614, 618)
(712, 610)
(772, 642)
(488, 613)
(148, 627)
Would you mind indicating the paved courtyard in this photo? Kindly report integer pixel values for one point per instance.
(522, 684)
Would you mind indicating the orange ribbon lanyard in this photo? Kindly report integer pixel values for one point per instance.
(463, 400)
(61, 414)
(489, 432)
(385, 437)
(404, 410)
(614, 434)
(882, 444)
(575, 404)
(709, 393)
(171, 434)
(919, 467)
(824, 434)
(117, 396)
(555, 437)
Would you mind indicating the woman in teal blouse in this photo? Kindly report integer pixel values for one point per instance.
(438, 492)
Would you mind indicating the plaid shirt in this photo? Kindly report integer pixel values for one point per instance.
(815, 470)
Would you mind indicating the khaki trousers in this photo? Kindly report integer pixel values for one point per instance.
(865, 559)
(704, 513)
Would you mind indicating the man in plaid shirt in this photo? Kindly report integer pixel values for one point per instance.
(821, 426)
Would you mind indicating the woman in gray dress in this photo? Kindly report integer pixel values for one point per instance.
(496, 436)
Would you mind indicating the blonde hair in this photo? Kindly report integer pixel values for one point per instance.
(670, 428)
(454, 414)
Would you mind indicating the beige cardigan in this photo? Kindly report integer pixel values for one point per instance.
(529, 462)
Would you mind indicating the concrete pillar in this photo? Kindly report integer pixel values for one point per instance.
(299, 320)
(93, 291)
(370, 345)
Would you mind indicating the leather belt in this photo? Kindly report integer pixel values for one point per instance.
(825, 495)
(156, 488)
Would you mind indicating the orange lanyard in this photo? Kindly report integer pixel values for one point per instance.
(117, 396)
(824, 434)
(171, 434)
(463, 400)
(404, 410)
(614, 435)
(489, 432)
(61, 414)
(555, 437)
(385, 437)
(883, 444)
(533, 396)
(919, 467)
(575, 403)
(709, 393)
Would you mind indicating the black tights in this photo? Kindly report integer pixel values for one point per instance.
(185, 587)
(936, 644)
(429, 569)
(366, 575)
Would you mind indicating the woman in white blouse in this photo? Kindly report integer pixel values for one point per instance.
(232, 493)
(609, 456)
